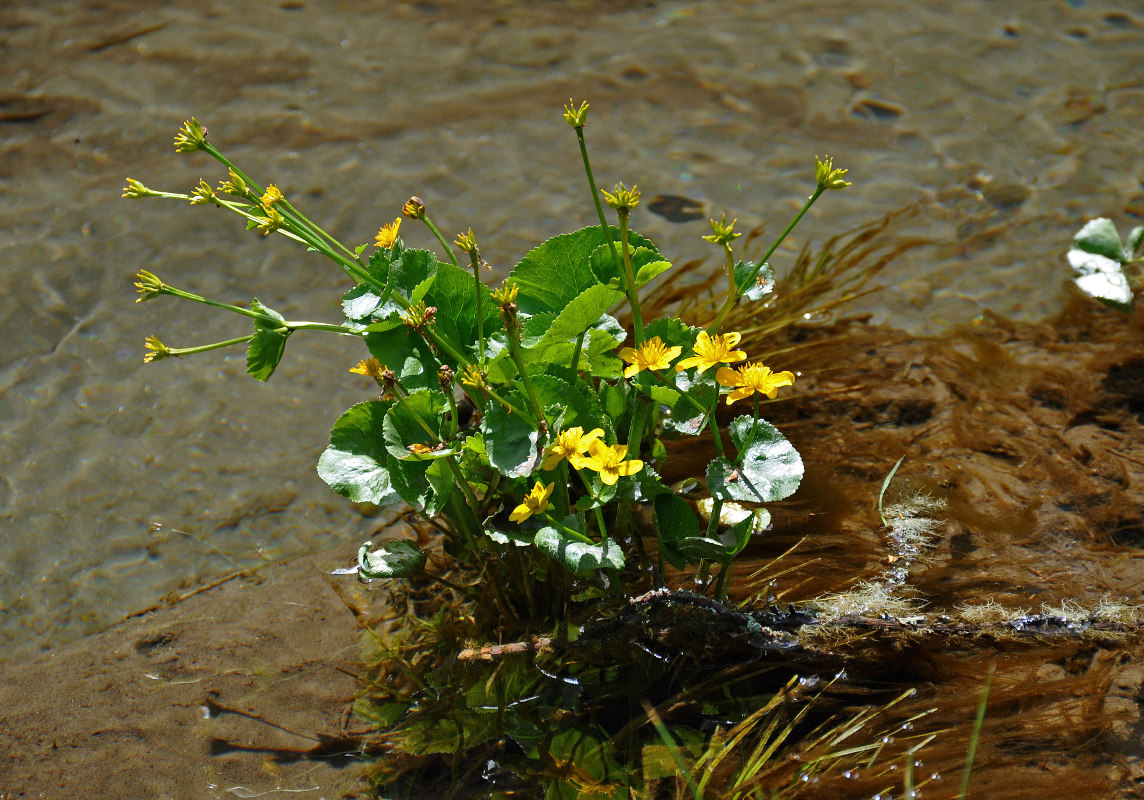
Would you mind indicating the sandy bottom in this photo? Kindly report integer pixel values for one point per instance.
(242, 690)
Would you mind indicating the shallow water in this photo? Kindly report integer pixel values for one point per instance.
(1011, 123)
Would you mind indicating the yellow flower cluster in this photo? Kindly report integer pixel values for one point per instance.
(710, 352)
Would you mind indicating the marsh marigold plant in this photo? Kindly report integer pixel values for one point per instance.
(526, 422)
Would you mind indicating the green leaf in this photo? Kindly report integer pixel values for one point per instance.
(1102, 279)
(575, 555)
(647, 265)
(555, 272)
(269, 343)
(425, 485)
(355, 463)
(405, 424)
(1135, 240)
(407, 354)
(511, 444)
(396, 558)
(580, 313)
(559, 386)
(674, 521)
(608, 271)
(534, 328)
(454, 294)
(754, 288)
(771, 468)
(1100, 238)
(265, 351)
(728, 544)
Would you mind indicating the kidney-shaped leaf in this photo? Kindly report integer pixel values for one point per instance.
(771, 468)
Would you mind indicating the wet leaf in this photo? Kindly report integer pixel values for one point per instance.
(1100, 238)
(396, 558)
(1102, 279)
(758, 287)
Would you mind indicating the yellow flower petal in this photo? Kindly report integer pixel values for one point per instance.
(652, 354)
(535, 502)
(751, 378)
(712, 352)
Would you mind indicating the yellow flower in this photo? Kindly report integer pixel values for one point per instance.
(609, 462)
(751, 378)
(273, 195)
(534, 502)
(271, 222)
(711, 352)
(472, 376)
(466, 241)
(236, 185)
(190, 137)
(571, 444)
(135, 190)
(653, 354)
(370, 367)
(387, 234)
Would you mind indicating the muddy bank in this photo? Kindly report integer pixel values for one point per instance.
(1031, 433)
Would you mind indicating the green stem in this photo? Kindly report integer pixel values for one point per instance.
(299, 219)
(630, 279)
(514, 351)
(562, 499)
(733, 297)
(576, 352)
(475, 257)
(190, 351)
(441, 239)
(575, 534)
(595, 193)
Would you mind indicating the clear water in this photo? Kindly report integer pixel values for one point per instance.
(119, 482)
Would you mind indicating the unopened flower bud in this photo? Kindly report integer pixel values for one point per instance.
(827, 176)
(576, 117)
(413, 208)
